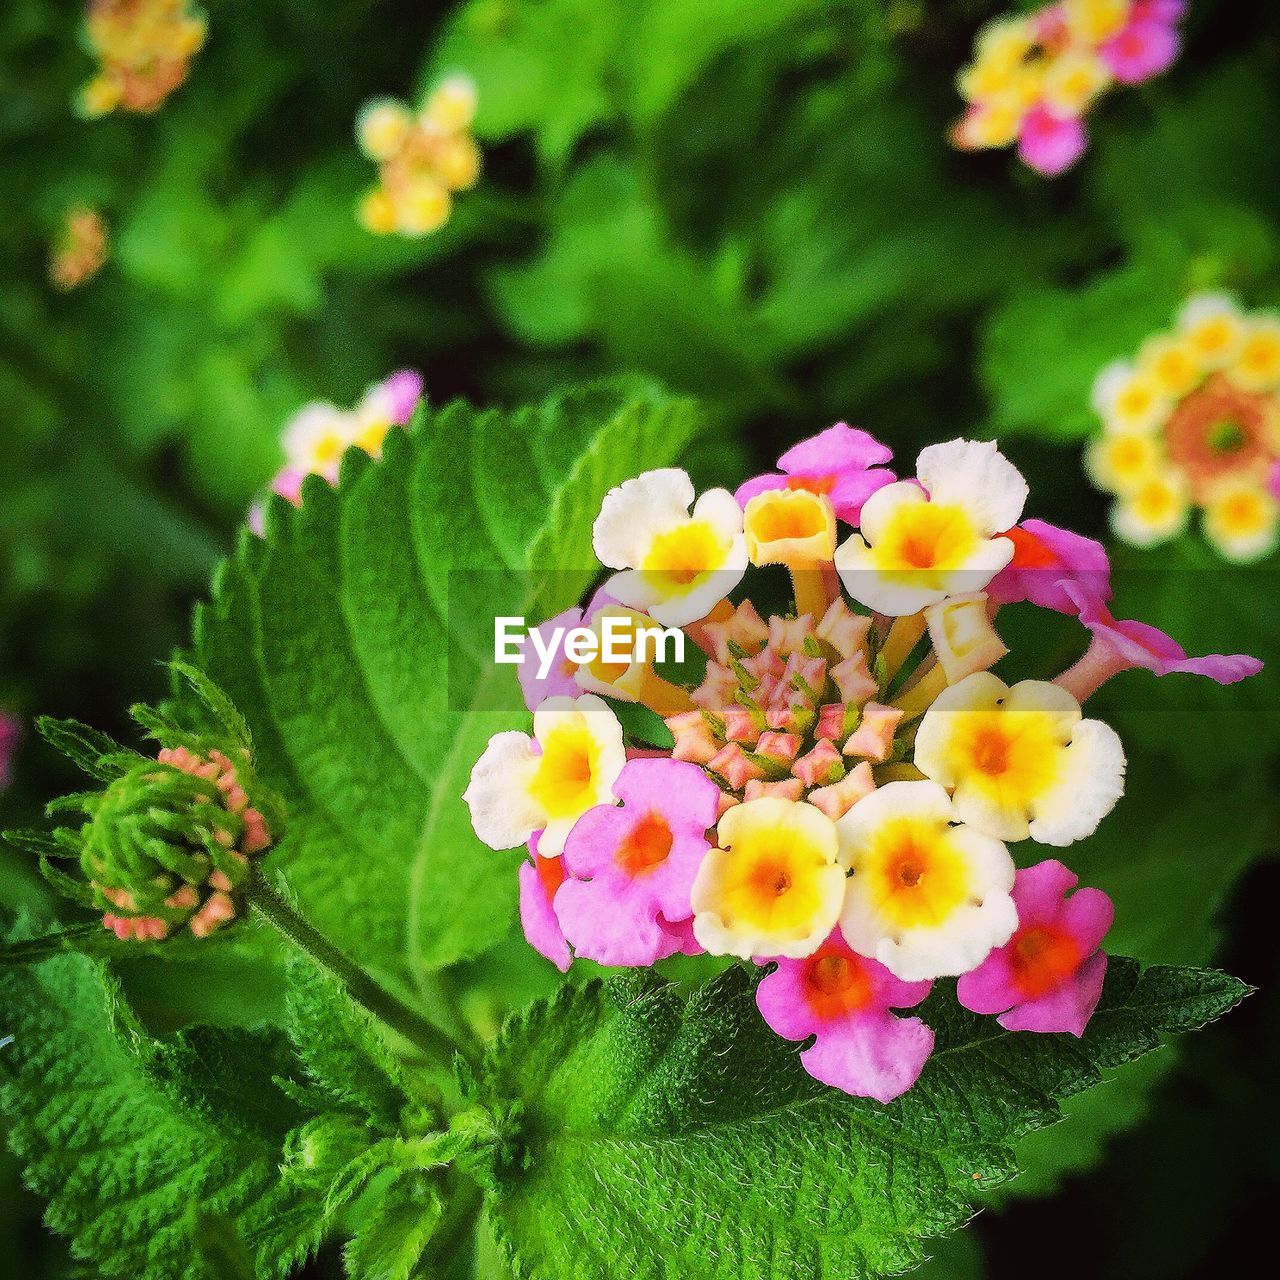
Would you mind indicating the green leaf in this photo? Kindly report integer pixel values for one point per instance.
(391, 1239)
(344, 1054)
(1169, 863)
(661, 1137)
(126, 1136)
(357, 642)
(1043, 348)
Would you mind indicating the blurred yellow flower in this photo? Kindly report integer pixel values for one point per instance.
(423, 158)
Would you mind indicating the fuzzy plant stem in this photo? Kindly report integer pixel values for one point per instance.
(389, 1009)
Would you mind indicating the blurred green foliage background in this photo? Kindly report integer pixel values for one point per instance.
(753, 202)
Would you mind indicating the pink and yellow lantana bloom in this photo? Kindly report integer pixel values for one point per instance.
(1034, 77)
(844, 784)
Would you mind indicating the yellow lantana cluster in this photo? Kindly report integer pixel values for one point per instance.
(423, 157)
(1194, 420)
(145, 49)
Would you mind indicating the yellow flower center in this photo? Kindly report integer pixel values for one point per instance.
(372, 438)
(926, 536)
(1241, 514)
(562, 784)
(770, 890)
(679, 557)
(1156, 501)
(1013, 756)
(328, 449)
(1261, 354)
(1214, 336)
(914, 875)
(1135, 400)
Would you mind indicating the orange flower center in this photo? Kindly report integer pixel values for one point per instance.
(836, 982)
(1042, 957)
(551, 874)
(647, 846)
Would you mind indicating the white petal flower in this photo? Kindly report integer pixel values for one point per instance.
(316, 438)
(1021, 761)
(774, 886)
(676, 565)
(928, 899)
(1242, 520)
(503, 813)
(516, 789)
(1153, 511)
(916, 547)
(1214, 327)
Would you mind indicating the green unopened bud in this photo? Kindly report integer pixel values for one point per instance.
(169, 843)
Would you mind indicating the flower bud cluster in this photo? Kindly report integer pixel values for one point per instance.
(843, 779)
(80, 249)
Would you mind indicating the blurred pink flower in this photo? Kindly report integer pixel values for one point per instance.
(1145, 48)
(10, 740)
(1051, 144)
(404, 390)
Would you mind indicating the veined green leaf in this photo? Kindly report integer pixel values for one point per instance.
(663, 1138)
(126, 1137)
(356, 640)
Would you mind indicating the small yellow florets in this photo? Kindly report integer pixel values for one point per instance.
(422, 159)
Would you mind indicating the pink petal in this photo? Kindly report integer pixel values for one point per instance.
(404, 390)
(759, 484)
(1088, 915)
(558, 682)
(877, 1056)
(1135, 644)
(1142, 50)
(1038, 892)
(1066, 1009)
(538, 919)
(991, 987)
(1044, 557)
(838, 448)
(611, 931)
(679, 791)
(1051, 144)
(852, 488)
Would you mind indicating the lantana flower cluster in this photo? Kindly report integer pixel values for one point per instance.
(1034, 77)
(844, 778)
(318, 435)
(1194, 421)
(424, 156)
(144, 48)
(80, 248)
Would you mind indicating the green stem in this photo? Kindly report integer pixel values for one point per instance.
(387, 1008)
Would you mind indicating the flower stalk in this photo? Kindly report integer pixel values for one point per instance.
(268, 903)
